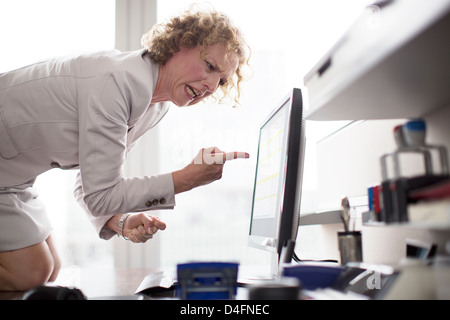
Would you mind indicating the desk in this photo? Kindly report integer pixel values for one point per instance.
(415, 282)
(104, 282)
(96, 282)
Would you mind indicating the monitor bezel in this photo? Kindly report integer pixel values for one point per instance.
(288, 214)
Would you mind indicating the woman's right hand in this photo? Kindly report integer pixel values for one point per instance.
(206, 167)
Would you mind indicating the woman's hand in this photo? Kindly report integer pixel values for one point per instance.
(138, 227)
(141, 227)
(206, 167)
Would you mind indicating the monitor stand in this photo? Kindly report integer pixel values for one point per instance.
(249, 275)
(264, 274)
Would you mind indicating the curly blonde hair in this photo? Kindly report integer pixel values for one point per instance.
(199, 27)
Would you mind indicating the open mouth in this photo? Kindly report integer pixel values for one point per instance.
(192, 92)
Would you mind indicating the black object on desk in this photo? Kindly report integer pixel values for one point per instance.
(280, 289)
(54, 293)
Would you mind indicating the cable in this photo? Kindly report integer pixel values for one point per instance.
(298, 260)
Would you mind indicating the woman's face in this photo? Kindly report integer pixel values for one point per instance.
(191, 75)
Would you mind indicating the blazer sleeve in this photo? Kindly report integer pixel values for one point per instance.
(97, 222)
(103, 115)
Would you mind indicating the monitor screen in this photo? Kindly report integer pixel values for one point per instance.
(279, 167)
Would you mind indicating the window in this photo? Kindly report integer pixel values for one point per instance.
(35, 30)
(287, 38)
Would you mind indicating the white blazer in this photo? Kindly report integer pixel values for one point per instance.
(84, 112)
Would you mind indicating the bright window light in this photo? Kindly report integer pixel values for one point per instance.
(287, 38)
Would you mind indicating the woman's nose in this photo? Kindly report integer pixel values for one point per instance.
(212, 82)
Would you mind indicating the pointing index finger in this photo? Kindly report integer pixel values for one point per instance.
(236, 155)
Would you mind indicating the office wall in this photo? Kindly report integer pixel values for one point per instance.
(348, 162)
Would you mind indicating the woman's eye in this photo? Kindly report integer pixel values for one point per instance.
(212, 68)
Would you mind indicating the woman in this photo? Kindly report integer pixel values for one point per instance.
(86, 112)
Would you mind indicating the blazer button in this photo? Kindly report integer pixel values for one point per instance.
(55, 165)
(148, 204)
(162, 200)
(155, 202)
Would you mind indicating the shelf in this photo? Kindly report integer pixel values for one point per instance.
(392, 64)
(410, 225)
(429, 215)
(326, 217)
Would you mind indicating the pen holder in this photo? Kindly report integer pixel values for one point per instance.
(350, 246)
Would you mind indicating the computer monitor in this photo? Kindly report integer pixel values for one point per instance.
(278, 179)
